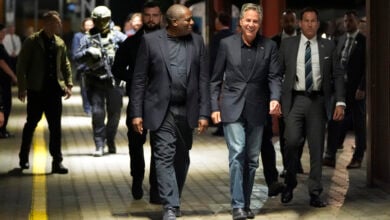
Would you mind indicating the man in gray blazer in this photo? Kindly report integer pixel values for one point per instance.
(170, 97)
(312, 75)
(245, 87)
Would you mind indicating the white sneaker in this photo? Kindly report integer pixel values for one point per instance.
(98, 152)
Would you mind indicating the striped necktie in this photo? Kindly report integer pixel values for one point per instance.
(308, 68)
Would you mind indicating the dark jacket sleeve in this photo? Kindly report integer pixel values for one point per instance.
(138, 83)
(125, 58)
(275, 75)
(217, 76)
(204, 82)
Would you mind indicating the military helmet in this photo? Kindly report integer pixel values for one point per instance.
(101, 12)
(101, 17)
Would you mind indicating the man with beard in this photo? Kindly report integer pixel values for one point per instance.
(123, 69)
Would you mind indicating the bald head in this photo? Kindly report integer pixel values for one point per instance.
(179, 19)
(175, 12)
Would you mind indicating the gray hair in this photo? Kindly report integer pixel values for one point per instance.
(251, 6)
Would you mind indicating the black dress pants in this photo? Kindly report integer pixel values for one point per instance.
(137, 159)
(268, 155)
(171, 144)
(50, 103)
(7, 100)
(306, 118)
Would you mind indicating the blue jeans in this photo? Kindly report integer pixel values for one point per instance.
(244, 143)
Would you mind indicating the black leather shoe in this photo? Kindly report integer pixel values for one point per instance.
(169, 214)
(111, 147)
(112, 150)
(249, 213)
(58, 168)
(316, 201)
(329, 162)
(136, 189)
(275, 188)
(287, 195)
(24, 165)
(239, 214)
(354, 164)
(178, 212)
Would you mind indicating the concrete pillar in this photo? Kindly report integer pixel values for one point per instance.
(272, 10)
(378, 91)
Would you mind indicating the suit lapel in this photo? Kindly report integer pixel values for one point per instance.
(237, 50)
(341, 45)
(189, 47)
(354, 44)
(162, 41)
(294, 55)
(259, 56)
(321, 52)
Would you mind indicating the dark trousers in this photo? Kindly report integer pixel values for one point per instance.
(50, 103)
(7, 100)
(105, 100)
(307, 117)
(268, 155)
(282, 143)
(337, 130)
(171, 144)
(137, 159)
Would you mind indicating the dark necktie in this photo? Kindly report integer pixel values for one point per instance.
(345, 52)
(308, 68)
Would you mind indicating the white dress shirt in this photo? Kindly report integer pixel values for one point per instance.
(8, 45)
(315, 63)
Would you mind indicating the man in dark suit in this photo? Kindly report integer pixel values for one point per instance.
(311, 73)
(123, 68)
(170, 97)
(351, 50)
(245, 87)
(288, 23)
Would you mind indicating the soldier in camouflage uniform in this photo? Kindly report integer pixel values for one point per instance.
(105, 93)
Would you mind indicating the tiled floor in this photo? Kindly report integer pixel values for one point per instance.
(99, 188)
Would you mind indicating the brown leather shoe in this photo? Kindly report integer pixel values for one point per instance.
(354, 164)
